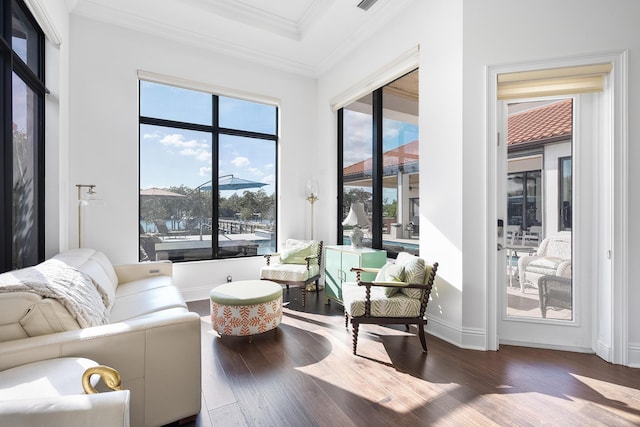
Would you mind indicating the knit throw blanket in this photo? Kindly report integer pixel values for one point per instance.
(75, 290)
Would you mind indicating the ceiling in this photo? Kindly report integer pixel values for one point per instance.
(302, 36)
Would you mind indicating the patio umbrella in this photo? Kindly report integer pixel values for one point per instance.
(230, 182)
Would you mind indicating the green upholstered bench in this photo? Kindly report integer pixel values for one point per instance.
(246, 307)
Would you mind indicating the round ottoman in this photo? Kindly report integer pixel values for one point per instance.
(246, 307)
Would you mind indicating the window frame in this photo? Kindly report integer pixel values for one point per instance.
(377, 166)
(216, 131)
(10, 63)
(561, 161)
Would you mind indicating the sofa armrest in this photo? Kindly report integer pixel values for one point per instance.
(130, 272)
(158, 357)
(524, 261)
(101, 410)
(564, 269)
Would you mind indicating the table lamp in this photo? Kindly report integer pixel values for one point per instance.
(356, 218)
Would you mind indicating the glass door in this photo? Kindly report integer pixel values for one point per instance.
(539, 300)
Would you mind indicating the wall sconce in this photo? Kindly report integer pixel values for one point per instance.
(311, 194)
(356, 218)
(85, 201)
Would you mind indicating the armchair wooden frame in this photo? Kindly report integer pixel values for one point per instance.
(420, 321)
(303, 283)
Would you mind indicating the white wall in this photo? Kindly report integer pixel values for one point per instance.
(103, 138)
(54, 20)
(504, 31)
(458, 41)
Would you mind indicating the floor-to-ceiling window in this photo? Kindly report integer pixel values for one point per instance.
(22, 93)
(379, 170)
(207, 175)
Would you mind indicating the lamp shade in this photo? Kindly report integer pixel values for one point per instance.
(356, 215)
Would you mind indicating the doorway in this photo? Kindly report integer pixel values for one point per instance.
(596, 180)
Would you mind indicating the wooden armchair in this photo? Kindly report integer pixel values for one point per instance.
(298, 264)
(399, 295)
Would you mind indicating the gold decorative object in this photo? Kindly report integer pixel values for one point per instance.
(109, 376)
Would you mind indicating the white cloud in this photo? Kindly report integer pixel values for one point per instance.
(240, 162)
(269, 179)
(188, 148)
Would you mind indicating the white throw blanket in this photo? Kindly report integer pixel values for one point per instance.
(75, 290)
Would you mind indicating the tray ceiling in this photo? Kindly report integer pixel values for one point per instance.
(302, 36)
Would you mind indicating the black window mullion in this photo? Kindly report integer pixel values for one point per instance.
(6, 163)
(215, 172)
(377, 166)
(340, 169)
(174, 124)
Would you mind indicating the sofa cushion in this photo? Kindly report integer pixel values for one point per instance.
(544, 265)
(289, 272)
(53, 279)
(399, 305)
(97, 266)
(132, 305)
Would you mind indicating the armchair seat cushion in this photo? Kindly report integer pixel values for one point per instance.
(289, 272)
(398, 305)
(545, 265)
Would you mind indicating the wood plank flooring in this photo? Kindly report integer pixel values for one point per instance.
(304, 374)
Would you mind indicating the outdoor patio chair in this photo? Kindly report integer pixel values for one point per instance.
(553, 258)
(165, 232)
(399, 295)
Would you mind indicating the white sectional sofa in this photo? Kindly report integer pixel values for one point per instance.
(144, 330)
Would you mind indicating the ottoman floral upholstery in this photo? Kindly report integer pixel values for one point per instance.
(246, 308)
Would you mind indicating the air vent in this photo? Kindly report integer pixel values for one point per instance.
(366, 4)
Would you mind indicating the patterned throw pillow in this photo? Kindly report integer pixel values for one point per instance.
(390, 272)
(414, 272)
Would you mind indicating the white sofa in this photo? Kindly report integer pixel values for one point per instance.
(553, 258)
(150, 337)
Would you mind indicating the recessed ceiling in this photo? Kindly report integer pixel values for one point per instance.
(302, 36)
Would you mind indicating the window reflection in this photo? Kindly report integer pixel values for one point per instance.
(399, 207)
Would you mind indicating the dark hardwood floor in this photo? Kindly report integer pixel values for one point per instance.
(304, 374)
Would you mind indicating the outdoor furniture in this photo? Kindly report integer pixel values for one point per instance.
(552, 258)
(165, 232)
(298, 264)
(246, 307)
(399, 295)
(554, 291)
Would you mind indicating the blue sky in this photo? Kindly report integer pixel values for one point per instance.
(173, 157)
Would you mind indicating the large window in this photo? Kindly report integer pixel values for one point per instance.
(565, 192)
(22, 92)
(524, 199)
(379, 164)
(207, 175)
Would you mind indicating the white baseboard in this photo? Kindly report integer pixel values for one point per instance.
(633, 356)
(472, 339)
(196, 293)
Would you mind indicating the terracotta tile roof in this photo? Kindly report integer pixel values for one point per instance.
(541, 123)
(401, 156)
